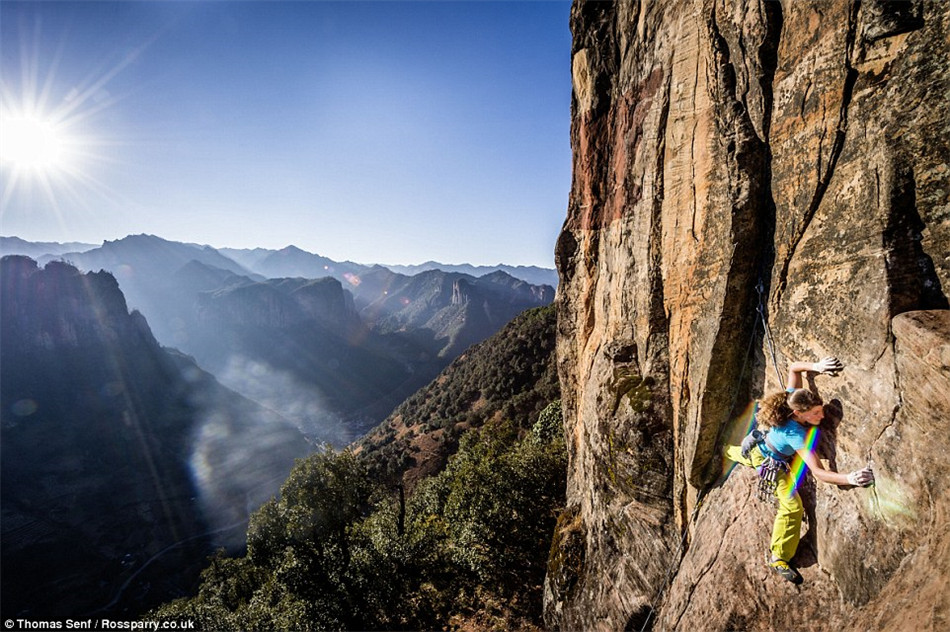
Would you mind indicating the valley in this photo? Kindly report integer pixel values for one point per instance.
(156, 394)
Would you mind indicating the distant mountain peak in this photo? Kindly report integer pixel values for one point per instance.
(137, 238)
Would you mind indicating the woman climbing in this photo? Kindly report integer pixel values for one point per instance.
(786, 418)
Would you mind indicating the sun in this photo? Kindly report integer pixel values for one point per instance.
(30, 143)
(39, 152)
(58, 153)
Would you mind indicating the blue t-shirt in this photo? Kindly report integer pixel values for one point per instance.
(787, 438)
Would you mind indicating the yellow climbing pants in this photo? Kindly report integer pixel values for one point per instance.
(787, 529)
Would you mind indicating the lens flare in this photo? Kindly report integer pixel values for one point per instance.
(31, 143)
(735, 430)
(799, 468)
(888, 502)
(53, 148)
(24, 407)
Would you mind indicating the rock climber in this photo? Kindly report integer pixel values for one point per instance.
(785, 418)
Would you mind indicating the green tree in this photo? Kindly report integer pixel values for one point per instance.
(296, 574)
(336, 551)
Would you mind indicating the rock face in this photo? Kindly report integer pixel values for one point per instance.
(281, 303)
(732, 160)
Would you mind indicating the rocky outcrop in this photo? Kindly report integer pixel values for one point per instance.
(280, 303)
(737, 166)
(325, 301)
(460, 292)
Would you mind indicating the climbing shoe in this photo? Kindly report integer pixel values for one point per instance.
(787, 572)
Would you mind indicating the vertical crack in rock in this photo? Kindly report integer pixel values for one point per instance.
(658, 314)
(805, 94)
(847, 92)
(751, 224)
(768, 63)
(898, 389)
(743, 57)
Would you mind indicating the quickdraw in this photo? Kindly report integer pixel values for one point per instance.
(769, 473)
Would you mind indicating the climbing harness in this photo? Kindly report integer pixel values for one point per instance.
(769, 470)
(769, 473)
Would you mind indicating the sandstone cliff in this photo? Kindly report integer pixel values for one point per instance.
(732, 160)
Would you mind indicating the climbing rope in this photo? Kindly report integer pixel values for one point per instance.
(760, 288)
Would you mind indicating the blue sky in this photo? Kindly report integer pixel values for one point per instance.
(384, 132)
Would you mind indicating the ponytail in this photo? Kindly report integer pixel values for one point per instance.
(773, 410)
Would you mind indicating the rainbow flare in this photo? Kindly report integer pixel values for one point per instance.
(735, 431)
(798, 464)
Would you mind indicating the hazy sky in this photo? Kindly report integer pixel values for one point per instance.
(383, 132)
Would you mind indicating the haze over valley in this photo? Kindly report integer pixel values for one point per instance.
(332, 346)
(245, 373)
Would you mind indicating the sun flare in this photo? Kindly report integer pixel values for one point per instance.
(31, 143)
(38, 153)
(52, 151)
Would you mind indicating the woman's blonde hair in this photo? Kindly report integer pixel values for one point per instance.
(775, 409)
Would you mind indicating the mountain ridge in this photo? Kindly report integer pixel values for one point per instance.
(120, 470)
(13, 245)
(290, 261)
(334, 353)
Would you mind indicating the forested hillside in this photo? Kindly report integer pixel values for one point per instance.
(347, 546)
(510, 376)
